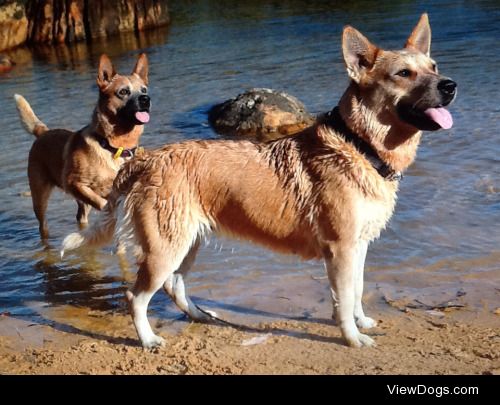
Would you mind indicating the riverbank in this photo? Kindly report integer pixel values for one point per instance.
(412, 342)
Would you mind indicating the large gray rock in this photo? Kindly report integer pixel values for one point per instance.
(263, 114)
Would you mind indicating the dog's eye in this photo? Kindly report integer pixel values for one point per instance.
(144, 90)
(404, 73)
(434, 67)
(124, 92)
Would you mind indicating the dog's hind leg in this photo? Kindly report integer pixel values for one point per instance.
(82, 216)
(40, 192)
(150, 277)
(362, 321)
(158, 263)
(175, 288)
(341, 265)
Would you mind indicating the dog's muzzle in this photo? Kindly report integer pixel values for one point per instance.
(142, 106)
(448, 89)
(144, 102)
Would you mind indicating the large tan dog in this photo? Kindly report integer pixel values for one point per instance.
(85, 163)
(324, 193)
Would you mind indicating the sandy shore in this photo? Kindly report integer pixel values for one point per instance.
(408, 342)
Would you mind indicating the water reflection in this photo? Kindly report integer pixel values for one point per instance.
(80, 282)
(82, 56)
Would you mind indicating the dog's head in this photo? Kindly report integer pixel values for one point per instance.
(124, 100)
(405, 83)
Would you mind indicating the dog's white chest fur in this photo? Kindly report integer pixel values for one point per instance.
(374, 215)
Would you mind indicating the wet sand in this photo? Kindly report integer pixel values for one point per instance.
(409, 341)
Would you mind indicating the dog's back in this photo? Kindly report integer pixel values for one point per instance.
(236, 187)
(46, 157)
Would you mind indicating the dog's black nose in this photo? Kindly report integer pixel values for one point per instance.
(144, 101)
(447, 87)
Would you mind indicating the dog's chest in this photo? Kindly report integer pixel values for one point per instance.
(112, 164)
(374, 215)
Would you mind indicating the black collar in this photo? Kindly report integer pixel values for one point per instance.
(335, 121)
(117, 152)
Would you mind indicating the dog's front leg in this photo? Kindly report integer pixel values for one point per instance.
(362, 321)
(85, 194)
(340, 262)
(82, 216)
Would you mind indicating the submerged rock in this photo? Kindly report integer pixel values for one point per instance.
(263, 114)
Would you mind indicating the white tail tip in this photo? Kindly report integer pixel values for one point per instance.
(71, 242)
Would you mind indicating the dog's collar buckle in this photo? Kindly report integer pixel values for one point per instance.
(389, 174)
(335, 121)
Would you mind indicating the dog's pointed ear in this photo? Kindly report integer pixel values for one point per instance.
(142, 67)
(106, 72)
(420, 38)
(359, 52)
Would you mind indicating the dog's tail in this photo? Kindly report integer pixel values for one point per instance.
(116, 218)
(28, 118)
(99, 234)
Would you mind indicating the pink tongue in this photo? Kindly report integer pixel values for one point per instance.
(142, 116)
(440, 116)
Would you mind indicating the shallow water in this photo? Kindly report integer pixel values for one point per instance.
(442, 240)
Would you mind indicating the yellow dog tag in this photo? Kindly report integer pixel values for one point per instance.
(118, 153)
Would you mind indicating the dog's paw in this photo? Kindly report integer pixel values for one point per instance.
(154, 341)
(366, 340)
(366, 322)
(360, 340)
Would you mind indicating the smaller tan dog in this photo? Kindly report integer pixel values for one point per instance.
(85, 163)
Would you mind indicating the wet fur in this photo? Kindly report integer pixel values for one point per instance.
(314, 194)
